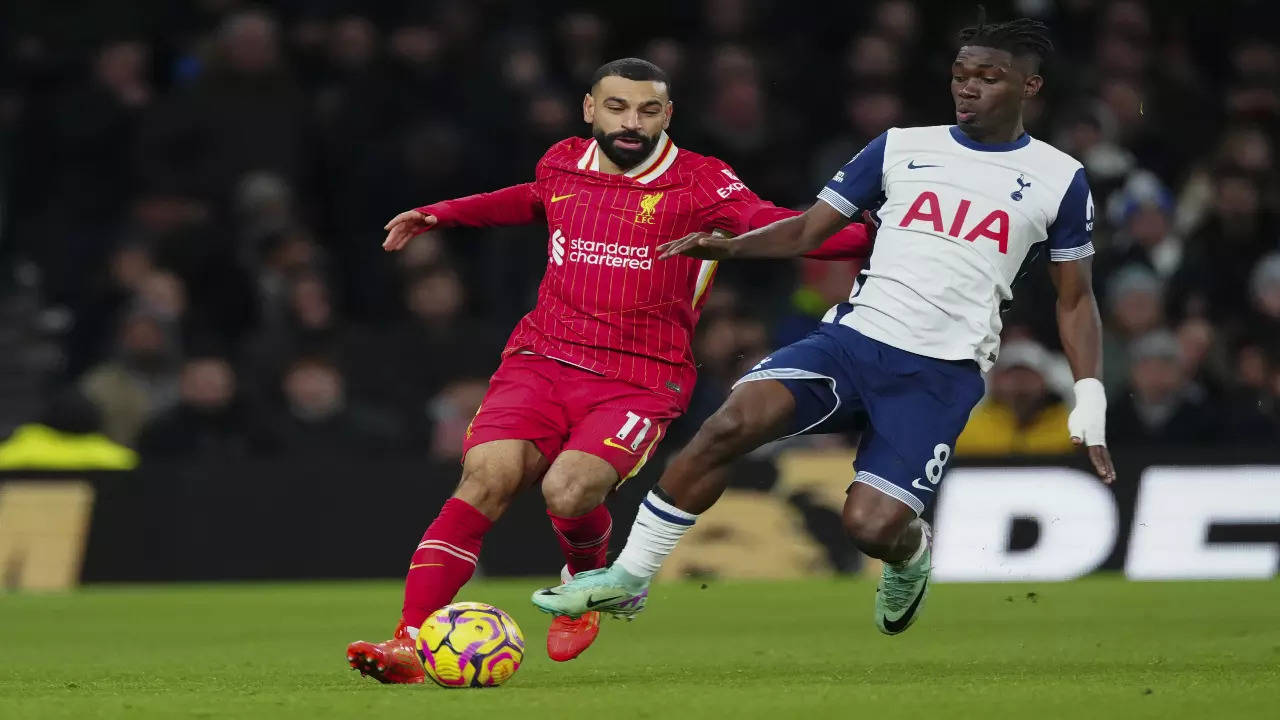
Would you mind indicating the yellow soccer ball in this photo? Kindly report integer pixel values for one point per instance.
(470, 644)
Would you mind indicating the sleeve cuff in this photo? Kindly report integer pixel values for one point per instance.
(1069, 254)
(440, 210)
(837, 201)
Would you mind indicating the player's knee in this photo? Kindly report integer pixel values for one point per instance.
(754, 414)
(570, 496)
(488, 489)
(873, 531)
(727, 428)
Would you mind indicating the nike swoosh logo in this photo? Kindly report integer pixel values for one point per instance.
(913, 166)
(896, 626)
(592, 602)
(916, 484)
(558, 198)
(612, 444)
(411, 567)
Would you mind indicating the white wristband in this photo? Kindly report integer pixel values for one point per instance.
(1088, 421)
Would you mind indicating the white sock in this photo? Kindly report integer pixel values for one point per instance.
(658, 527)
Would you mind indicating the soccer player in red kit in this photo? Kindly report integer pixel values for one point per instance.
(591, 377)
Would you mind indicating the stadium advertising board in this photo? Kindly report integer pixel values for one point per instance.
(1045, 522)
(1168, 516)
(1078, 523)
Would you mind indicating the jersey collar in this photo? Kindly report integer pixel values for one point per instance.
(647, 170)
(1022, 141)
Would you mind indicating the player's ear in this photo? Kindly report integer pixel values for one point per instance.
(666, 119)
(588, 108)
(1032, 87)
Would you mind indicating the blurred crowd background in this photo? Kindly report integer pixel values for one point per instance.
(192, 194)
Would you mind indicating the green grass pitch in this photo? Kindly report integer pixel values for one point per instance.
(1098, 648)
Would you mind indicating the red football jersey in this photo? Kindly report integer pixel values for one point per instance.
(606, 304)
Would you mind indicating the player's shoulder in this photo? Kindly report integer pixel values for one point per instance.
(695, 168)
(918, 135)
(692, 163)
(1035, 151)
(919, 132)
(1035, 155)
(565, 152)
(1054, 160)
(897, 141)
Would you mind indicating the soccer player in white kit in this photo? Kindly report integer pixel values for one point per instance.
(962, 208)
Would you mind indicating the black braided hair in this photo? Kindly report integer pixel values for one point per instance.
(1023, 37)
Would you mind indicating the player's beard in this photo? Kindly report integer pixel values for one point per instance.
(625, 159)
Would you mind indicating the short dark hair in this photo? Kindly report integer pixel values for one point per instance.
(1023, 37)
(631, 69)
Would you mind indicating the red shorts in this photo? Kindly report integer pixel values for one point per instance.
(559, 407)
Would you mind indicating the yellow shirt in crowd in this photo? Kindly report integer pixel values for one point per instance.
(993, 430)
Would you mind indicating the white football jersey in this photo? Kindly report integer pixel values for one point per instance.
(958, 220)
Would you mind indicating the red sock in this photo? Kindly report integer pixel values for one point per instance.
(444, 560)
(584, 540)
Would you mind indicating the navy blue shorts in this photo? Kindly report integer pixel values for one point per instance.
(910, 408)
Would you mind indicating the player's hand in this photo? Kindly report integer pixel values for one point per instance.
(405, 227)
(704, 246)
(872, 221)
(1087, 424)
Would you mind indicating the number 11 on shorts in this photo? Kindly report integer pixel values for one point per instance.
(630, 425)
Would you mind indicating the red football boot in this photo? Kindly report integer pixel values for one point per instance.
(568, 637)
(394, 661)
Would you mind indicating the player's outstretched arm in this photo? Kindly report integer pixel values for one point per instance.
(789, 237)
(515, 205)
(852, 242)
(1080, 327)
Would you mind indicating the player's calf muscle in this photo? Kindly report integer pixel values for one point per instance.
(692, 486)
(693, 480)
(879, 525)
(886, 540)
